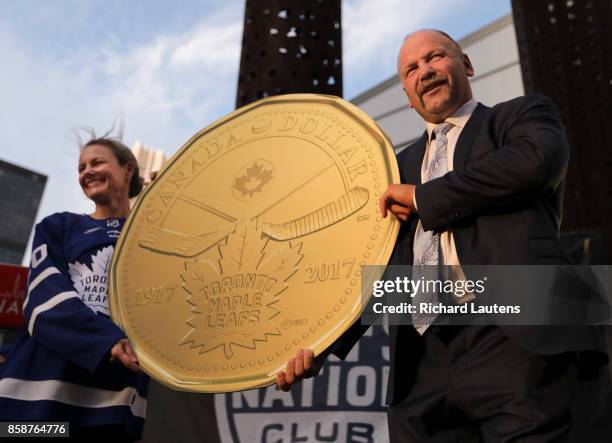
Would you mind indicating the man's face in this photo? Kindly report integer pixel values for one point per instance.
(434, 74)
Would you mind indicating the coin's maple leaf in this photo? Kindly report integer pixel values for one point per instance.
(281, 261)
(193, 278)
(243, 248)
(233, 289)
(255, 178)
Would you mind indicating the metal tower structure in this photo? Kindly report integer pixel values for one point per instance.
(565, 48)
(290, 47)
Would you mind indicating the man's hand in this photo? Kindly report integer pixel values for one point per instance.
(303, 365)
(398, 200)
(123, 351)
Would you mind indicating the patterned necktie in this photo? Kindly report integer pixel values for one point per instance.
(427, 244)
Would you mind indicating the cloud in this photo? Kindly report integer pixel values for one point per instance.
(372, 26)
(185, 81)
(166, 89)
(373, 33)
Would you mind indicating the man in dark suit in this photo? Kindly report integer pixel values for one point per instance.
(483, 186)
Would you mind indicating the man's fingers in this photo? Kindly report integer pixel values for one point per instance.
(309, 367)
(397, 209)
(402, 213)
(303, 365)
(385, 200)
(391, 200)
(281, 382)
(299, 364)
(382, 205)
(290, 372)
(395, 197)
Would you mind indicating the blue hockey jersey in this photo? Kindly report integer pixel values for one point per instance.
(60, 369)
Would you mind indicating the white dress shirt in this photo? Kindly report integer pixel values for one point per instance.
(458, 120)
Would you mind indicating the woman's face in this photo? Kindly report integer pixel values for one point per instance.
(101, 177)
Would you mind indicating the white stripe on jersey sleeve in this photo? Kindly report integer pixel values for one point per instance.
(39, 278)
(72, 394)
(49, 304)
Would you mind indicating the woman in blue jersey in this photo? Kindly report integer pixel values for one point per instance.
(72, 363)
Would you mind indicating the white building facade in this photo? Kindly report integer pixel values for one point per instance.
(149, 160)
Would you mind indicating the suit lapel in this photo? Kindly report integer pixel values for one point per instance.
(411, 169)
(468, 136)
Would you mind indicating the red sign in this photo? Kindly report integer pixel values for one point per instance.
(13, 280)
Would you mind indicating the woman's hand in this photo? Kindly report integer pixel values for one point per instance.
(123, 351)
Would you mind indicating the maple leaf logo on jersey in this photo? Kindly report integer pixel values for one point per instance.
(233, 289)
(91, 283)
(254, 179)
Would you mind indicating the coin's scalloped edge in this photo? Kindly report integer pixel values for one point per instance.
(212, 386)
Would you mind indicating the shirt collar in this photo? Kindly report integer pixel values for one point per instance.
(459, 118)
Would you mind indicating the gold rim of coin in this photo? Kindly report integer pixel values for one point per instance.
(248, 245)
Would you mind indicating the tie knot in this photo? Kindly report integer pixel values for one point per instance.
(442, 129)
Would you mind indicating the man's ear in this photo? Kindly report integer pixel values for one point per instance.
(469, 69)
(409, 102)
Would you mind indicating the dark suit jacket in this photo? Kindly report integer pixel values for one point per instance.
(503, 204)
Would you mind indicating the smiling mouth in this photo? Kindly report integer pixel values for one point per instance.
(433, 88)
(93, 183)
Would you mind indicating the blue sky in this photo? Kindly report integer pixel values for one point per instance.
(167, 69)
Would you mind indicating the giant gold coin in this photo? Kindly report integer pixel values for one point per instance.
(248, 245)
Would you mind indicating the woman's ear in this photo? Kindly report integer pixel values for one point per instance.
(130, 172)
